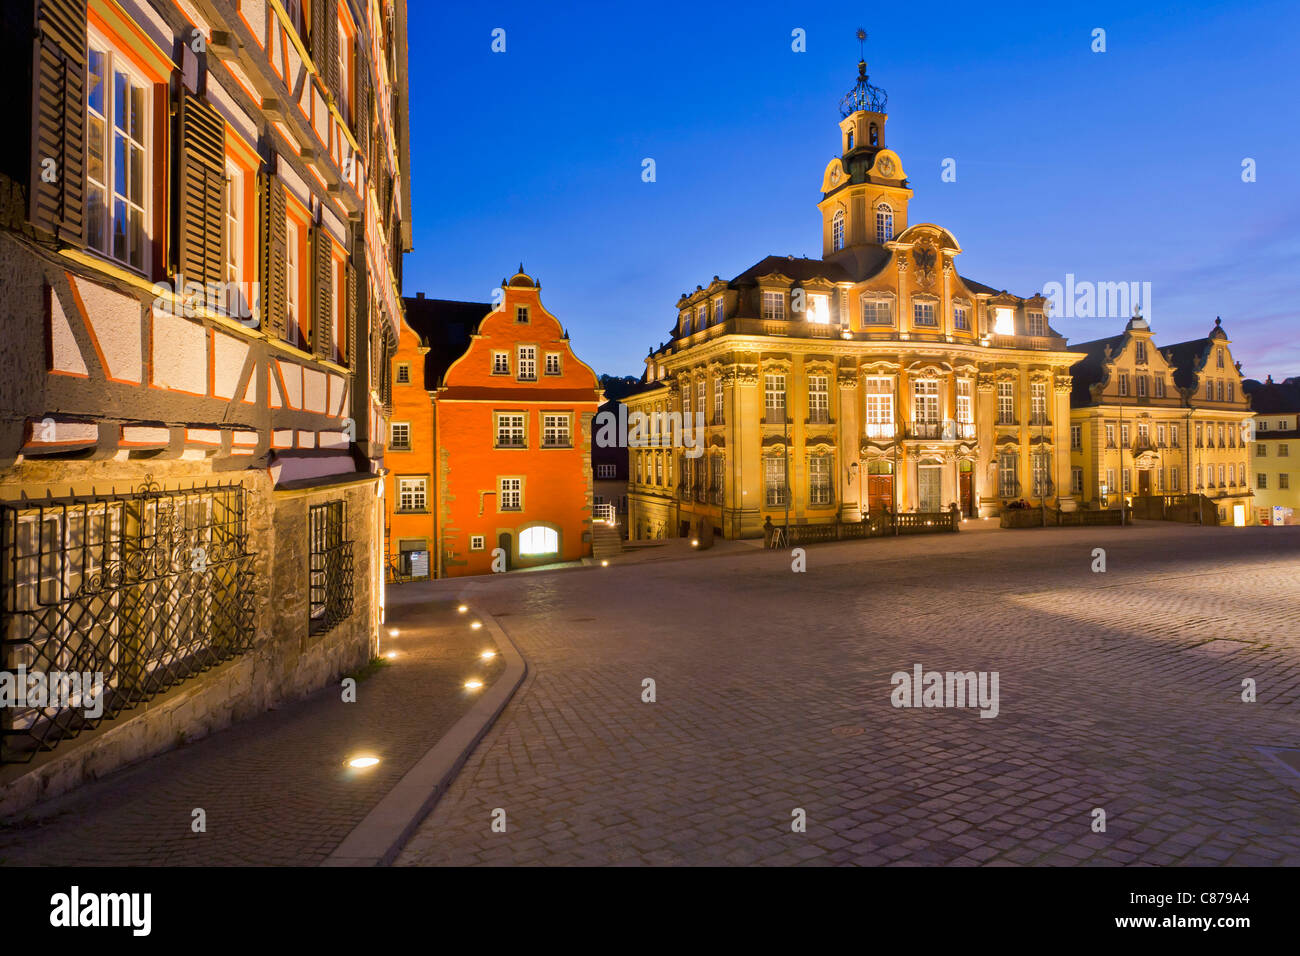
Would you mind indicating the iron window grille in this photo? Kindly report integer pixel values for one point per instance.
(142, 590)
(330, 567)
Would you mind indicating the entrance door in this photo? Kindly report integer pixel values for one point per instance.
(1144, 483)
(928, 495)
(880, 493)
(503, 542)
(967, 492)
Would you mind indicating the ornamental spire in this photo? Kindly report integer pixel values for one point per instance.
(863, 96)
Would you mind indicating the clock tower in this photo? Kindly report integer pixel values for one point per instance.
(864, 189)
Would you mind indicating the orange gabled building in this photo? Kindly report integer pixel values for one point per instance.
(506, 453)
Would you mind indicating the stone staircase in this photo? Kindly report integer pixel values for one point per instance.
(606, 541)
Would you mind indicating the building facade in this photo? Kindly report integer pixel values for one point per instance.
(1275, 452)
(506, 464)
(876, 377)
(1148, 421)
(203, 225)
(609, 465)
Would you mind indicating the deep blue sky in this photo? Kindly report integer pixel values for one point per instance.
(1116, 166)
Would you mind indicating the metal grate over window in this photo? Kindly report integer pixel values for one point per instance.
(331, 567)
(132, 593)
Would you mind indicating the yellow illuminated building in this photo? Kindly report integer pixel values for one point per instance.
(874, 378)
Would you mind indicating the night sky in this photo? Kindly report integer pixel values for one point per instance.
(1116, 166)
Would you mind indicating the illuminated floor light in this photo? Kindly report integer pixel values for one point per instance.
(362, 763)
(476, 625)
(463, 608)
(473, 684)
(695, 543)
(391, 655)
(604, 564)
(488, 655)
(393, 632)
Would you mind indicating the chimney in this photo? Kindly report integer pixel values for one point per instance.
(419, 295)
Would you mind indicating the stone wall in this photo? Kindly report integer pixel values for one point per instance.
(286, 662)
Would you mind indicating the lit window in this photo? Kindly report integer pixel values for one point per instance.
(118, 175)
(884, 223)
(774, 480)
(923, 314)
(880, 407)
(774, 398)
(819, 310)
(876, 312)
(837, 231)
(1004, 320)
(539, 540)
(960, 317)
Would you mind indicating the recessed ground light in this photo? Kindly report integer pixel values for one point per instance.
(695, 542)
(604, 564)
(488, 655)
(391, 655)
(393, 632)
(362, 763)
(473, 684)
(463, 608)
(476, 625)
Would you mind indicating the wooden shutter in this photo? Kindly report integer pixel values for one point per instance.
(350, 319)
(325, 43)
(58, 208)
(322, 325)
(273, 249)
(361, 124)
(201, 191)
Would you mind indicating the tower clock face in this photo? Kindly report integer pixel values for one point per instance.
(835, 175)
(886, 166)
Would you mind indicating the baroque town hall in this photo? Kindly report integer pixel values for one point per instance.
(874, 378)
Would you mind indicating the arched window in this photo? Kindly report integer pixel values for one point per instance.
(884, 223)
(850, 140)
(837, 231)
(875, 135)
(539, 539)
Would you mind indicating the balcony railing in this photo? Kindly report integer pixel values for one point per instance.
(927, 429)
(819, 416)
(774, 415)
(604, 512)
(880, 430)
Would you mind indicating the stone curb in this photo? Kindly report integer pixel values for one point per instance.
(379, 838)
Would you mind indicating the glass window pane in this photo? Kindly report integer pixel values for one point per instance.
(137, 114)
(120, 87)
(119, 229)
(119, 165)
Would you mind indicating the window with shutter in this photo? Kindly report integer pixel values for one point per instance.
(350, 321)
(323, 317)
(274, 251)
(324, 43)
(58, 207)
(201, 192)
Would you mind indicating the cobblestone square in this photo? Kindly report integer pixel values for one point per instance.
(1120, 691)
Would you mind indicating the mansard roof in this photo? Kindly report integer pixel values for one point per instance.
(799, 269)
(444, 327)
(1271, 398)
(1089, 371)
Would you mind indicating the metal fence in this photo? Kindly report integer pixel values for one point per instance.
(109, 600)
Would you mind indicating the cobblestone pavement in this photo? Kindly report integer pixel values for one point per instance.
(1118, 690)
(275, 789)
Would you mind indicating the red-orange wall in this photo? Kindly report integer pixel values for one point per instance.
(411, 403)
(557, 488)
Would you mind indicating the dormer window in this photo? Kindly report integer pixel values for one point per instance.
(1141, 350)
(1219, 353)
(521, 314)
(1037, 323)
(837, 231)
(774, 305)
(884, 223)
(718, 310)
